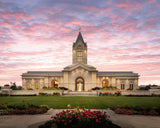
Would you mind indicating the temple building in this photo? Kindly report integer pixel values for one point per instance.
(80, 76)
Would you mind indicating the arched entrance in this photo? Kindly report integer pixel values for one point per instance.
(79, 84)
(54, 83)
(105, 83)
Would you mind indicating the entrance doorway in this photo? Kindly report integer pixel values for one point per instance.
(105, 83)
(79, 84)
(54, 83)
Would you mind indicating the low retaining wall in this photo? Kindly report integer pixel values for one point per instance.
(124, 92)
(77, 93)
(24, 92)
(134, 92)
(28, 92)
(51, 91)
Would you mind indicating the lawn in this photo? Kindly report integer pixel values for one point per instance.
(58, 102)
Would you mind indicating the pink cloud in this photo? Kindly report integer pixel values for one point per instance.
(116, 40)
(129, 5)
(17, 16)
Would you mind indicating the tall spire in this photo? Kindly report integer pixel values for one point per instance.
(79, 50)
(79, 38)
(79, 28)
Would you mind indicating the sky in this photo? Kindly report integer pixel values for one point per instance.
(122, 35)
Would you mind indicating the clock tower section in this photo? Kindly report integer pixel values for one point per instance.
(79, 51)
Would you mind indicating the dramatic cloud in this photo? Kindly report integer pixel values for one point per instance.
(122, 35)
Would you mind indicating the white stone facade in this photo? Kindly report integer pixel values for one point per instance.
(79, 76)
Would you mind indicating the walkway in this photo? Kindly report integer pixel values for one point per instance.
(33, 121)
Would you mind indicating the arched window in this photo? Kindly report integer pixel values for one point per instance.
(105, 83)
(28, 86)
(79, 84)
(79, 47)
(54, 83)
(37, 86)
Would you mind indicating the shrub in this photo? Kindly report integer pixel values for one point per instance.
(63, 88)
(16, 88)
(4, 94)
(106, 94)
(109, 88)
(56, 94)
(129, 89)
(46, 94)
(51, 88)
(44, 87)
(144, 88)
(44, 106)
(6, 85)
(114, 107)
(43, 94)
(2, 111)
(118, 93)
(125, 109)
(30, 89)
(153, 113)
(22, 108)
(2, 106)
(96, 88)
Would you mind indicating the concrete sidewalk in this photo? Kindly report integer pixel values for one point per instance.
(33, 121)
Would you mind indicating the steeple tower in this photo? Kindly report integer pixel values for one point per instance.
(79, 51)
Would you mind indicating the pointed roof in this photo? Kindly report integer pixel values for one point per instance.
(79, 38)
(81, 65)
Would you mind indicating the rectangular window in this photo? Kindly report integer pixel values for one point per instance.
(122, 86)
(79, 56)
(131, 86)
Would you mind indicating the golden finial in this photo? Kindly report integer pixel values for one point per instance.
(79, 28)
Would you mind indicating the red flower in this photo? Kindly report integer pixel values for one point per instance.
(2, 105)
(65, 123)
(23, 101)
(97, 120)
(81, 114)
(6, 102)
(70, 121)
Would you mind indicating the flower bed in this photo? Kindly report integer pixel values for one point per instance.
(3, 94)
(109, 88)
(125, 109)
(22, 108)
(117, 93)
(51, 88)
(46, 94)
(80, 118)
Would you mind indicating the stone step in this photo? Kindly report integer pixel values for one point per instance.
(79, 93)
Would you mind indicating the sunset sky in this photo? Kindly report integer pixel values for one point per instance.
(122, 35)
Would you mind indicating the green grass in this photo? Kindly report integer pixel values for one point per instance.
(101, 102)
